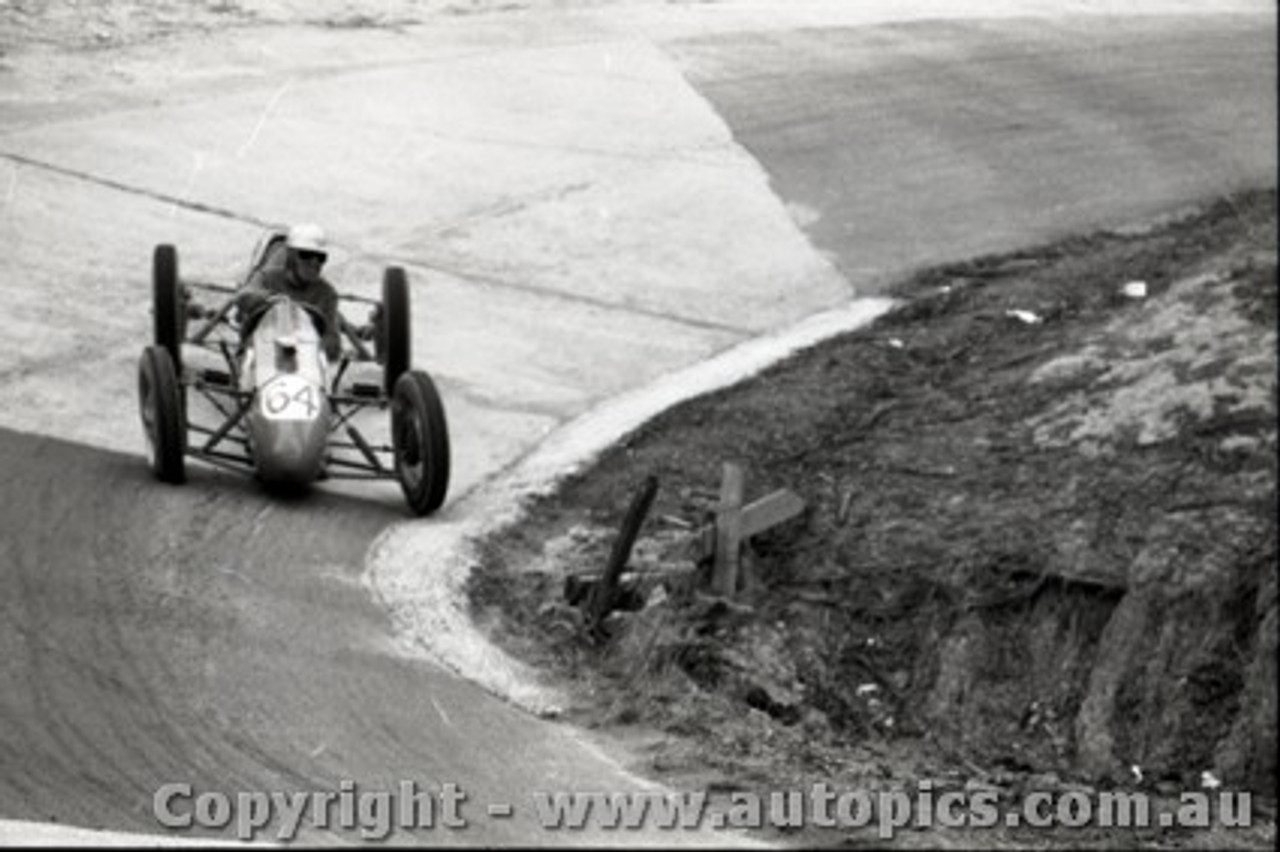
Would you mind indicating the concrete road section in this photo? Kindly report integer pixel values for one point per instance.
(586, 200)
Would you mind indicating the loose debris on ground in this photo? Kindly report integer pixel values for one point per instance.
(1038, 550)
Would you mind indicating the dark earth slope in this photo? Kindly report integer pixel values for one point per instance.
(1039, 550)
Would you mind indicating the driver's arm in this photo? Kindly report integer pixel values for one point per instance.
(332, 344)
(332, 324)
(252, 296)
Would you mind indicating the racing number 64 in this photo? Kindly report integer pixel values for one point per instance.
(289, 401)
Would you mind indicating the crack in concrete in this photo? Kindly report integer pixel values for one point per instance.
(512, 206)
(562, 295)
(485, 280)
(165, 198)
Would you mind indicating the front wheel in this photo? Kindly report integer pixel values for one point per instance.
(393, 341)
(420, 439)
(167, 303)
(163, 414)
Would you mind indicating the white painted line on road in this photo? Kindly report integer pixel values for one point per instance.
(262, 119)
(13, 184)
(444, 717)
(197, 165)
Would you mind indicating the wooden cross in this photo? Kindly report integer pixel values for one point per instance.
(736, 523)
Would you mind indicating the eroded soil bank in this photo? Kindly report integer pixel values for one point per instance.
(1039, 548)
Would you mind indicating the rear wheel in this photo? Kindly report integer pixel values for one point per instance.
(420, 439)
(393, 333)
(163, 415)
(167, 303)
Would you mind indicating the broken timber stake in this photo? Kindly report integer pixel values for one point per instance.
(605, 593)
(736, 524)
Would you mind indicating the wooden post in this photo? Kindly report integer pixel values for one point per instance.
(724, 580)
(606, 591)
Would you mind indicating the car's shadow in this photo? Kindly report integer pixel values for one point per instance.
(67, 474)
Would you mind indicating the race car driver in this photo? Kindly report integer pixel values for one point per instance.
(300, 279)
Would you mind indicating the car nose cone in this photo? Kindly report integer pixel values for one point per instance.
(289, 428)
(290, 451)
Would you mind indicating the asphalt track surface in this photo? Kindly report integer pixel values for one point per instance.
(220, 636)
(973, 136)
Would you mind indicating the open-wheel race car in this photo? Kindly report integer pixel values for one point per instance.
(278, 407)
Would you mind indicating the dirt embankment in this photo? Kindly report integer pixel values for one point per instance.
(72, 25)
(1039, 548)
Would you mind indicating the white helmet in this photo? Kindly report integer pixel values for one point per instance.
(306, 238)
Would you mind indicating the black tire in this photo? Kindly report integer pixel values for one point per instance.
(167, 303)
(394, 339)
(420, 439)
(164, 418)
